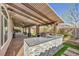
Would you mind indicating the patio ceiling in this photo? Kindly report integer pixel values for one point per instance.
(28, 14)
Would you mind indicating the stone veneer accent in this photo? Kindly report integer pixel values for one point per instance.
(34, 50)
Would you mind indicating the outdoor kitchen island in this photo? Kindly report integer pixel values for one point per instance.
(37, 45)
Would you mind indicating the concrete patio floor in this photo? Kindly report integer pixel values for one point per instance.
(15, 45)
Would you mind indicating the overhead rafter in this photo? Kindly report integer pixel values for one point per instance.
(24, 15)
(32, 14)
(21, 24)
(15, 6)
(35, 10)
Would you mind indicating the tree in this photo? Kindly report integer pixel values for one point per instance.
(72, 15)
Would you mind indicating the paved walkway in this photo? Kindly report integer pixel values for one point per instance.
(71, 52)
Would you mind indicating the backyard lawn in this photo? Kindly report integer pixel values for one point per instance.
(62, 50)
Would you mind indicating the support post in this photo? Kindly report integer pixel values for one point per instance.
(37, 31)
(55, 29)
(0, 30)
(29, 32)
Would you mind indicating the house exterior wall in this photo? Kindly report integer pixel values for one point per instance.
(4, 47)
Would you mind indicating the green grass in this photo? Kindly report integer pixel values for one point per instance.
(62, 50)
(72, 46)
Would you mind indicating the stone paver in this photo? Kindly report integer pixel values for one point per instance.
(71, 52)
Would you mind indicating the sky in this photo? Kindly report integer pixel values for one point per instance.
(60, 8)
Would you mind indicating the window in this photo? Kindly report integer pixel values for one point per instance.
(4, 12)
(3, 26)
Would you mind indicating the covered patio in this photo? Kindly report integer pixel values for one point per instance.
(29, 15)
(27, 21)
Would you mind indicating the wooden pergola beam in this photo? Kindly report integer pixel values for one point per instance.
(35, 10)
(15, 6)
(42, 24)
(24, 15)
(48, 23)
